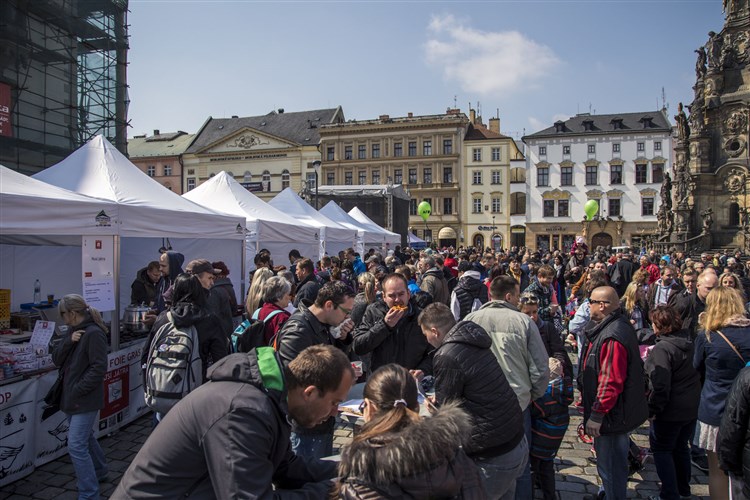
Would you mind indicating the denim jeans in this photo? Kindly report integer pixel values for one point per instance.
(86, 454)
(500, 473)
(312, 445)
(669, 445)
(612, 464)
(524, 490)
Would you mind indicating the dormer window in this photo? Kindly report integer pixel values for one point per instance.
(559, 126)
(616, 124)
(588, 125)
(646, 120)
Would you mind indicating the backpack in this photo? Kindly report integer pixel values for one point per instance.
(251, 333)
(174, 366)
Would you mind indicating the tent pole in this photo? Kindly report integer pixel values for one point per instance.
(115, 325)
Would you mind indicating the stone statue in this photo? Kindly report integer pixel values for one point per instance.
(700, 64)
(733, 7)
(696, 119)
(682, 182)
(666, 191)
(727, 52)
(708, 220)
(713, 49)
(661, 220)
(683, 128)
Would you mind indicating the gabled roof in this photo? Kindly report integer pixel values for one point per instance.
(297, 127)
(481, 133)
(587, 124)
(169, 144)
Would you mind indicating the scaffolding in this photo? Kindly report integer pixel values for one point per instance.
(64, 63)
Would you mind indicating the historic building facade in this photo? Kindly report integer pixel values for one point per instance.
(160, 156)
(423, 153)
(618, 160)
(266, 154)
(490, 171)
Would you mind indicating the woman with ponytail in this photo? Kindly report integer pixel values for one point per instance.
(82, 359)
(398, 454)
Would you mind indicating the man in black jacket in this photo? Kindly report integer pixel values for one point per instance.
(217, 301)
(733, 441)
(308, 326)
(308, 286)
(230, 437)
(470, 292)
(467, 371)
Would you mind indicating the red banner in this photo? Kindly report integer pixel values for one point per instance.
(5, 110)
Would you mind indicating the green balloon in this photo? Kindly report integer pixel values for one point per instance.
(424, 210)
(590, 208)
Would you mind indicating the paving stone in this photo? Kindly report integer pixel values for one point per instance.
(119, 454)
(570, 486)
(58, 480)
(48, 492)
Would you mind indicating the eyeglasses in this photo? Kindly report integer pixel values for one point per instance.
(346, 311)
(362, 406)
(528, 299)
(595, 302)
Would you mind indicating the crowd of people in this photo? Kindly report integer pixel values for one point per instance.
(656, 339)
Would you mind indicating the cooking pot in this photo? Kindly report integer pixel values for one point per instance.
(134, 318)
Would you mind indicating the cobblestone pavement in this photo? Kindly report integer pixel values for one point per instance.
(575, 475)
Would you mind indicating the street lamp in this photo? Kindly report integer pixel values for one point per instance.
(316, 167)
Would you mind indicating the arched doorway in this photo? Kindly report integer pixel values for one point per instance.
(601, 240)
(447, 237)
(497, 242)
(518, 236)
(478, 241)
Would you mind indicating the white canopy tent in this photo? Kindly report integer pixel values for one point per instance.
(267, 227)
(40, 235)
(148, 213)
(389, 237)
(335, 236)
(365, 239)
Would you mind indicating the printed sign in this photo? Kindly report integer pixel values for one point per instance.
(97, 264)
(17, 411)
(5, 105)
(43, 331)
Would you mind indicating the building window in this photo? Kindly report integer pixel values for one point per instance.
(616, 147)
(151, 171)
(347, 178)
(348, 153)
(266, 181)
(641, 173)
(398, 176)
(640, 147)
(542, 150)
(542, 176)
(476, 206)
(310, 181)
(413, 148)
(657, 145)
(190, 183)
(447, 175)
(167, 170)
(497, 205)
(413, 207)
(447, 206)
(476, 176)
(427, 148)
(566, 176)
(647, 206)
(495, 154)
(517, 175)
(518, 204)
(376, 150)
(592, 149)
(566, 150)
(496, 177)
(398, 149)
(591, 175)
(447, 146)
(563, 208)
(427, 175)
(376, 177)
(614, 207)
(362, 177)
(548, 208)
(285, 179)
(247, 176)
(361, 152)
(330, 179)
(329, 153)
(657, 173)
(412, 176)
(477, 154)
(615, 174)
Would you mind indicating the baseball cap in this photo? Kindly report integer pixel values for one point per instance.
(201, 266)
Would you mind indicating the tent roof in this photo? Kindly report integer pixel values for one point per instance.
(338, 214)
(370, 225)
(98, 169)
(290, 203)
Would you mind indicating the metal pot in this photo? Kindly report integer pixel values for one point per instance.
(134, 318)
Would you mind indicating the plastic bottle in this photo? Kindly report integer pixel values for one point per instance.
(37, 291)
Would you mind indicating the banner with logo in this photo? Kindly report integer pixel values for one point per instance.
(17, 422)
(5, 106)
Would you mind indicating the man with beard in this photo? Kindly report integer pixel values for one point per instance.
(230, 437)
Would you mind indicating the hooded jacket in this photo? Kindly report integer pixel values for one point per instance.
(733, 440)
(468, 289)
(467, 372)
(403, 344)
(143, 290)
(218, 303)
(675, 386)
(84, 364)
(673, 292)
(422, 461)
(225, 286)
(434, 283)
(227, 439)
(175, 261)
(307, 289)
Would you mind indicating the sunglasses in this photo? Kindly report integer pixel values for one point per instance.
(596, 302)
(530, 300)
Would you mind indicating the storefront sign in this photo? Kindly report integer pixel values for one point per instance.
(487, 228)
(252, 186)
(554, 229)
(5, 105)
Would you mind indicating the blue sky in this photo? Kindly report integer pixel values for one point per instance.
(537, 61)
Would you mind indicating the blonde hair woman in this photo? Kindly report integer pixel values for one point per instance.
(721, 351)
(633, 299)
(255, 294)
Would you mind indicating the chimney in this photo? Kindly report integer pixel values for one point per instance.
(384, 118)
(410, 115)
(156, 131)
(472, 116)
(495, 125)
(235, 116)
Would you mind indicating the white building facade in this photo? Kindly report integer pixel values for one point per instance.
(618, 160)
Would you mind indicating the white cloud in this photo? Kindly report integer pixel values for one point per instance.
(537, 124)
(486, 62)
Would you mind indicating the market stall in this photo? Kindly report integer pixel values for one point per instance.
(391, 239)
(365, 239)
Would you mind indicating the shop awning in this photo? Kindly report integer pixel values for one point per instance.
(447, 233)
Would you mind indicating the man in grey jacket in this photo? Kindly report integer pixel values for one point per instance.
(518, 346)
(229, 438)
